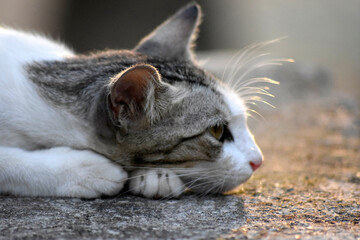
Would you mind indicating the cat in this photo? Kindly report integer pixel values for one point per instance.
(84, 125)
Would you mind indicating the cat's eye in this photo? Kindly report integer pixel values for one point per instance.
(217, 131)
(221, 132)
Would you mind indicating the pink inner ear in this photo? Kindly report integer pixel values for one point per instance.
(131, 87)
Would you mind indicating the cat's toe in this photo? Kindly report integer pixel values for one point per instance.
(156, 183)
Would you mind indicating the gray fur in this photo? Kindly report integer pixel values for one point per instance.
(80, 85)
(185, 107)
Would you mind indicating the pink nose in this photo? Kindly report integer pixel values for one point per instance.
(255, 166)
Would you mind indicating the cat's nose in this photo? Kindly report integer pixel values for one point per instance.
(256, 158)
(255, 165)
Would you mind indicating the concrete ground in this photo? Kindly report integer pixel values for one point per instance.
(308, 187)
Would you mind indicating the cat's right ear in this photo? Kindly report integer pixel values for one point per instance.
(132, 97)
(174, 38)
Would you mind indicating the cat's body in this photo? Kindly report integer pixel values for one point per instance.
(64, 119)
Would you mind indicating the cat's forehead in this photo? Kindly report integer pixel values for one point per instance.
(205, 102)
(204, 89)
(235, 104)
(183, 71)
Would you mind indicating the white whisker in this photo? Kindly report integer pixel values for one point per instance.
(240, 55)
(252, 81)
(253, 111)
(259, 99)
(253, 90)
(245, 63)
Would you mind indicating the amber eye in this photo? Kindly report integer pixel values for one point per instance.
(217, 131)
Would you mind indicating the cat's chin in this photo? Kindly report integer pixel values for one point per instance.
(218, 185)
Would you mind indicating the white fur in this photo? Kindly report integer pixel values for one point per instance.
(60, 171)
(27, 122)
(244, 140)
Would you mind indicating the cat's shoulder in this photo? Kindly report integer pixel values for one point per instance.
(23, 47)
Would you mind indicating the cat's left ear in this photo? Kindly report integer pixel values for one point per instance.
(175, 37)
(135, 97)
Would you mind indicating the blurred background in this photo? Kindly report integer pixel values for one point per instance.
(323, 36)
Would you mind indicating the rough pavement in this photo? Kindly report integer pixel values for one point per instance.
(122, 217)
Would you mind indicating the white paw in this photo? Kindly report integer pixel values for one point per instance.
(156, 183)
(90, 175)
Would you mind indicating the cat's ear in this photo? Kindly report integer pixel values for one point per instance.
(175, 37)
(132, 96)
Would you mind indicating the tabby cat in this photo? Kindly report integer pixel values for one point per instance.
(84, 125)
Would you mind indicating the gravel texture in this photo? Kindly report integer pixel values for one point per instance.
(121, 217)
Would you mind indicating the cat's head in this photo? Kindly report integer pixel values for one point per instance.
(169, 113)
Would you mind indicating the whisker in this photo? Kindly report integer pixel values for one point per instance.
(200, 173)
(245, 57)
(191, 183)
(252, 81)
(259, 99)
(132, 168)
(191, 172)
(250, 115)
(243, 64)
(239, 56)
(253, 90)
(210, 189)
(247, 62)
(253, 111)
(257, 66)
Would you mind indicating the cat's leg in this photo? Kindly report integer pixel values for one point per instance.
(60, 171)
(156, 183)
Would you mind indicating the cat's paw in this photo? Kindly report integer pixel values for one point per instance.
(156, 183)
(90, 175)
